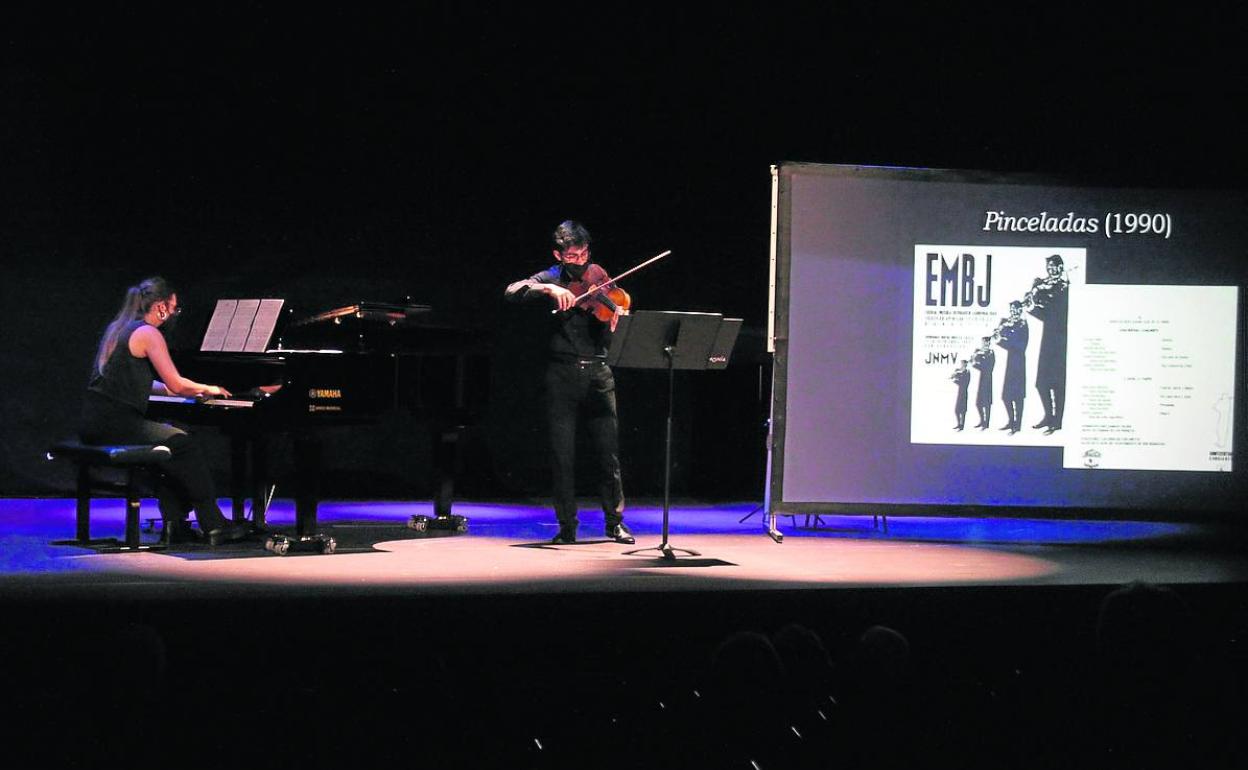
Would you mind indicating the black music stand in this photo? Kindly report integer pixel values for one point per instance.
(661, 339)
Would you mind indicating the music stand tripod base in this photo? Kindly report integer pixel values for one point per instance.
(667, 551)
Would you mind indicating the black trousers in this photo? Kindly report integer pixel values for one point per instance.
(583, 393)
(185, 482)
(1014, 409)
(1054, 399)
(985, 415)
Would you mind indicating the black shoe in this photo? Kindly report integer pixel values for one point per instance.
(1052, 429)
(620, 534)
(1043, 423)
(229, 532)
(565, 537)
(180, 532)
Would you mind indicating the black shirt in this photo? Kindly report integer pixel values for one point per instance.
(126, 379)
(573, 334)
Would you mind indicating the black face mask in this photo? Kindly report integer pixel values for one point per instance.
(574, 272)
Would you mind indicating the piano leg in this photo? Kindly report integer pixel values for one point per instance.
(259, 482)
(307, 472)
(238, 476)
(445, 465)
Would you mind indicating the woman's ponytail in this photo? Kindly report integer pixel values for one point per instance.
(139, 299)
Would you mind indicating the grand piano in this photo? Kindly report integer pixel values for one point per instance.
(349, 365)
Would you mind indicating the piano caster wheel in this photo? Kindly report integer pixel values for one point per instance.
(421, 523)
(279, 545)
(284, 544)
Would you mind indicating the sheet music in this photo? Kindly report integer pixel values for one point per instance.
(214, 337)
(240, 325)
(262, 327)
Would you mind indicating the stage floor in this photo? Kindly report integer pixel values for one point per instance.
(506, 551)
(540, 653)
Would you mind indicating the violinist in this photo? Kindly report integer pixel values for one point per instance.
(580, 388)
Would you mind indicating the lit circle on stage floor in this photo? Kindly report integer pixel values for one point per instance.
(489, 564)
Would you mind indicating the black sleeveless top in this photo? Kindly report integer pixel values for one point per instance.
(126, 379)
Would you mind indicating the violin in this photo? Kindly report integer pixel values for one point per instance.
(598, 295)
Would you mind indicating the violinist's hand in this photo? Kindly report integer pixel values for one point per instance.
(615, 317)
(562, 297)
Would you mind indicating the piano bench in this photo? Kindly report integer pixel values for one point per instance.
(133, 460)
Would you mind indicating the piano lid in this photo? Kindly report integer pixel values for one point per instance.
(378, 327)
(369, 312)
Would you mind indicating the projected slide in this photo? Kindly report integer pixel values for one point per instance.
(1012, 348)
(990, 323)
(1152, 378)
(962, 339)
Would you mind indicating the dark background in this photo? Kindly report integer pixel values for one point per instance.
(331, 156)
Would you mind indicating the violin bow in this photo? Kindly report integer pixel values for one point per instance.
(624, 274)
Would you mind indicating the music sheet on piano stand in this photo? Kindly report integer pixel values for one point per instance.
(242, 325)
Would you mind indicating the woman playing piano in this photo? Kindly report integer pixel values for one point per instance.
(132, 362)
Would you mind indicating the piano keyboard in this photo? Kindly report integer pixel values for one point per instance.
(228, 403)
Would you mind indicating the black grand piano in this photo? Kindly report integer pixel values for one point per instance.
(349, 365)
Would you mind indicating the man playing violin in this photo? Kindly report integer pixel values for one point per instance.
(580, 388)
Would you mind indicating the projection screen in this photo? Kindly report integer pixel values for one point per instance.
(953, 341)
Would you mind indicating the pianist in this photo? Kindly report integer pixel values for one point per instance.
(579, 386)
(132, 355)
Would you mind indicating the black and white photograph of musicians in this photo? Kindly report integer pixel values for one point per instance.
(962, 378)
(1049, 301)
(984, 360)
(1012, 336)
